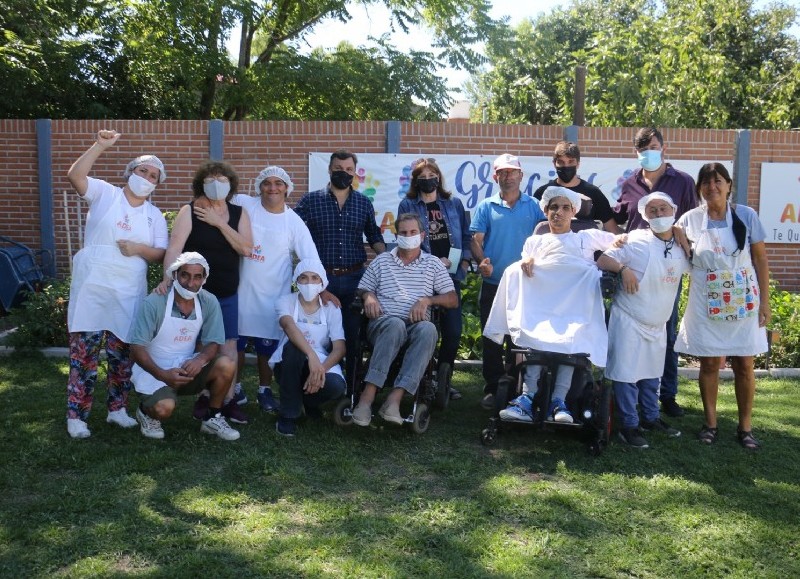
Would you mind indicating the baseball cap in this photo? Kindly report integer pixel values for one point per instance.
(506, 161)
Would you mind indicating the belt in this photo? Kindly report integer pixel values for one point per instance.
(344, 270)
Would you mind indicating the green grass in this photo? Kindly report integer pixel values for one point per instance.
(387, 503)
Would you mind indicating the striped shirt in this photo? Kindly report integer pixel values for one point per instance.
(398, 286)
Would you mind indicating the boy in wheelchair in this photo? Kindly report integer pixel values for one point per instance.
(398, 289)
(550, 301)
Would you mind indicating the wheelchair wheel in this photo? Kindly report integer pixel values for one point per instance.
(422, 419)
(443, 376)
(341, 414)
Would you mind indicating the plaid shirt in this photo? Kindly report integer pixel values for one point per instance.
(339, 234)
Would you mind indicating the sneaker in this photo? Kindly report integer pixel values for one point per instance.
(232, 412)
(120, 418)
(671, 408)
(266, 401)
(362, 415)
(77, 428)
(659, 425)
(559, 412)
(286, 427)
(515, 414)
(201, 407)
(217, 425)
(150, 427)
(390, 414)
(456, 395)
(487, 402)
(633, 437)
(239, 395)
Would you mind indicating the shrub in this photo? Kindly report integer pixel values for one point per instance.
(471, 347)
(41, 320)
(785, 308)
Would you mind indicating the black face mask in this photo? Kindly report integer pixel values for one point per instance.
(341, 179)
(566, 174)
(428, 185)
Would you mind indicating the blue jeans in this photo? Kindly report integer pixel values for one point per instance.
(291, 373)
(669, 381)
(452, 324)
(388, 334)
(344, 287)
(627, 394)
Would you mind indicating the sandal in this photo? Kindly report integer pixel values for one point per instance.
(708, 435)
(747, 440)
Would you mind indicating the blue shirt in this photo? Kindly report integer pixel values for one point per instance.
(505, 230)
(339, 234)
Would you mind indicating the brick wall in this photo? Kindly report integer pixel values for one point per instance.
(252, 145)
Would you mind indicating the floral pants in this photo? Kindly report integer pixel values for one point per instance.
(84, 354)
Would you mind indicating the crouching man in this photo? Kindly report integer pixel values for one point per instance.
(398, 289)
(164, 338)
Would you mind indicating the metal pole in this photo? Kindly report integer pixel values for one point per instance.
(579, 98)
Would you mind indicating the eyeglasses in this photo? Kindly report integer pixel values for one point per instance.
(417, 162)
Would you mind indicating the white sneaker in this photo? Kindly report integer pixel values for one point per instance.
(219, 426)
(515, 414)
(77, 428)
(150, 427)
(362, 414)
(391, 414)
(120, 418)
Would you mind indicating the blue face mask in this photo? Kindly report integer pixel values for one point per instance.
(650, 160)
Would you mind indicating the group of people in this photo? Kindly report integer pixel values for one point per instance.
(228, 276)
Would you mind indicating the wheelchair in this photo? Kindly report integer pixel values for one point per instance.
(432, 393)
(589, 397)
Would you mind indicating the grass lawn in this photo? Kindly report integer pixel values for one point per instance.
(387, 503)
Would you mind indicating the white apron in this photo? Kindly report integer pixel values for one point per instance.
(559, 309)
(699, 335)
(107, 286)
(637, 336)
(173, 345)
(317, 336)
(265, 275)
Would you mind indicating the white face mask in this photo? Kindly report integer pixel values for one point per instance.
(410, 242)
(183, 292)
(661, 224)
(309, 291)
(140, 186)
(217, 190)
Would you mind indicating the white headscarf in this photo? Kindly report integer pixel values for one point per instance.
(651, 197)
(274, 171)
(312, 265)
(188, 258)
(554, 191)
(150, 161)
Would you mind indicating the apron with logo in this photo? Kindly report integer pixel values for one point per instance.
(317, 336)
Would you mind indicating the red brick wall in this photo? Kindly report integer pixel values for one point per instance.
(252, 145)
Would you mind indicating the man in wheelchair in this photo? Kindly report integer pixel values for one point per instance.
(550, 301)
(398, 289)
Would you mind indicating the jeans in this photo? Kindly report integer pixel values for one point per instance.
(451, 326)
(344, 287)
(388, 334)
(669, 381)
(493, 368)
(627, 394)
(292, 373)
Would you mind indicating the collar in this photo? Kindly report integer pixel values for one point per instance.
(399, 261)
(497, 200)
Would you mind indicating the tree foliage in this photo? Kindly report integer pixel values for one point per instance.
(689, 63)
(169, 59)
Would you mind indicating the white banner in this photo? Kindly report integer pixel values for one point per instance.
(779, 205)
(385, 178)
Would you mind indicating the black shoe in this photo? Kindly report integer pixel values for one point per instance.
(671, 408)
(286, 427)
(659, 425)
(633, 437)
(455, 394)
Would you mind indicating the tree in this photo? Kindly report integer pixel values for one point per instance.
(691, 63)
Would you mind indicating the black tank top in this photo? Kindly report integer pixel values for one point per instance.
(223, 260)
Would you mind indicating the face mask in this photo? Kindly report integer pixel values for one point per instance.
(428, 185)
(309, 291)
(217, 190)
(183, 292)
(650, 160)
(410, 242)
(140, 186)
(566, 174)
(661, 224)
(341, 179)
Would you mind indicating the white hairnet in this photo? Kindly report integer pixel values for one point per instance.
(150, 161)
(188, 258)
(274, 171)
(652, 196)
(313, 265)
(554, 191)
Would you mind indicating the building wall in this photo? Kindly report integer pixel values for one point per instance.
(252, 145)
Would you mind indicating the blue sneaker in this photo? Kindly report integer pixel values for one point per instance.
(559, 411)
(267, 402)
(239, 395)
(519, 410)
